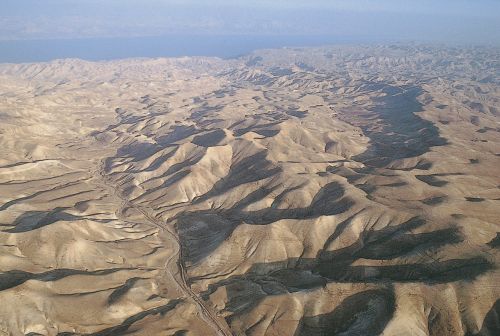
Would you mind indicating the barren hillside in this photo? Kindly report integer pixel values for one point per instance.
(327, 191)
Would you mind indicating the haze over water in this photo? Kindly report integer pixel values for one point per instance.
(96, 49)
(32, 30)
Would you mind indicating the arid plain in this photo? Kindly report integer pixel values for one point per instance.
(327, 191)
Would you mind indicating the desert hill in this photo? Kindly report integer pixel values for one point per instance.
(326, 191)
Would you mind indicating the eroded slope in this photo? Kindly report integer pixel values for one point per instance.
(345, 191)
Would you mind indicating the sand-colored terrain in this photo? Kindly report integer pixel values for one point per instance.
(328, 191)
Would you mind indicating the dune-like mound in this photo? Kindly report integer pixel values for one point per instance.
(327, 191)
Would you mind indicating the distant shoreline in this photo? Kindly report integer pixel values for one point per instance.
(102, 49)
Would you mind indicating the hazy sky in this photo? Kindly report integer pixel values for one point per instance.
(476, 21)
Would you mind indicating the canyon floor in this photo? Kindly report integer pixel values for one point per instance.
(349, 190)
